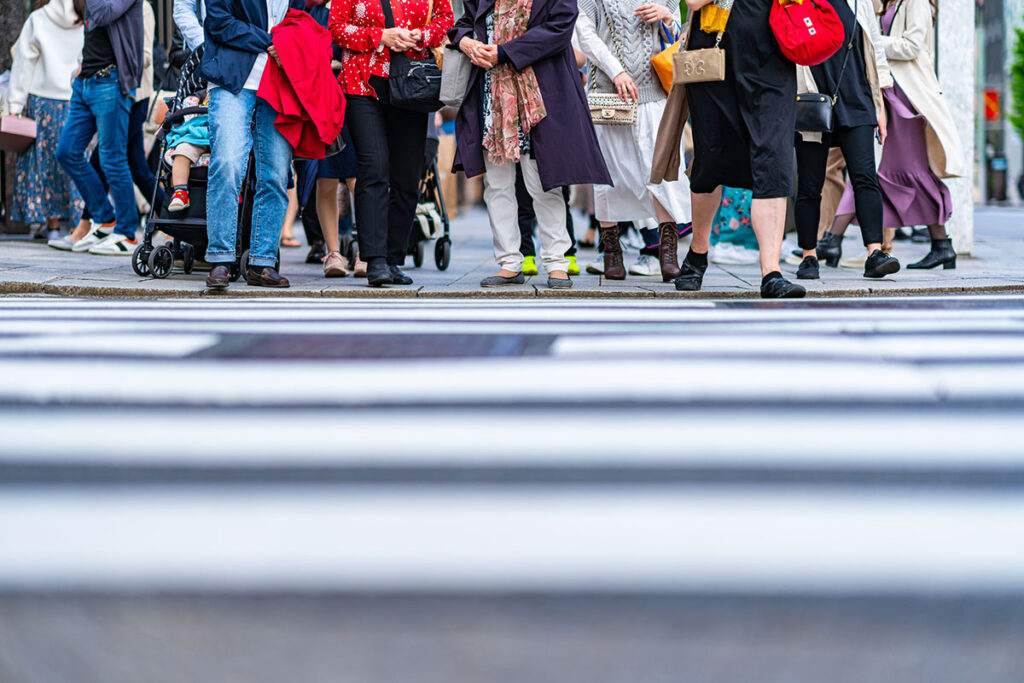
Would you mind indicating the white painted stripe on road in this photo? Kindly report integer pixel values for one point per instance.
(639, 438)
(169, 345)
(515, 380)
(683, 538)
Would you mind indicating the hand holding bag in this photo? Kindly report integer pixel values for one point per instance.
(608, 109)
(815, 112)
(706, 65)
(414, 84)
(17, 133)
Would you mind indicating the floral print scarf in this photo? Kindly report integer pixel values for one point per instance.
(516, 100)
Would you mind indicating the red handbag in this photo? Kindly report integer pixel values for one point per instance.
(17, 133)
(808, 32)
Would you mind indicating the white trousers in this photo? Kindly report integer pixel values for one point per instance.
(503, 212)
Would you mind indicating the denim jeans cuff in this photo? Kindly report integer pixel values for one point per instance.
(220, 257)
(262, 261)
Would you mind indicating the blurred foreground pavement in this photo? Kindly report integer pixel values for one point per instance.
(488, 490)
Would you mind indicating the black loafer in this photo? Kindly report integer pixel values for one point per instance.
(880, 264)
(808, 269)
(317, 252)
(378, 275)
(691, 277)
(780, 288)
(219, 277)
(398, 277)
(265, 276)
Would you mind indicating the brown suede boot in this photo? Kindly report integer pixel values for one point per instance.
(613, 267)
(668, 251)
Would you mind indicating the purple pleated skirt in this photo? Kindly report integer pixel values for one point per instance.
(911, 193)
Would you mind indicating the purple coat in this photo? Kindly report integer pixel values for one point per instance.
(564, 142)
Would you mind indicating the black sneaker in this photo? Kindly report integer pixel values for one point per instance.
(780, 288)
(880, 264)
(378, 274)
(691, 277)
(808, 269)
(317, 252)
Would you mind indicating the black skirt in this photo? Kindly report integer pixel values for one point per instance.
(743, 126)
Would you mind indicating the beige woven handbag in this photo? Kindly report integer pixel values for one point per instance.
(608, 109)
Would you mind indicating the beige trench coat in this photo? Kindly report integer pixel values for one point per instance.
(909, 47)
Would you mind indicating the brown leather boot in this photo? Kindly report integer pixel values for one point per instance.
(668, 251)
(613, 267)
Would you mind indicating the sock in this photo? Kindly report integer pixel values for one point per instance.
(180, 187)
(774, 275)
(695, 259)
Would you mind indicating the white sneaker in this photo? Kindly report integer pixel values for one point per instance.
(645, 265)
(727, 253)
(115, 244)
(63, 244)
(596, 267)
(91, 239)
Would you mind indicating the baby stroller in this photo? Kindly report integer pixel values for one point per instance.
(188, 227)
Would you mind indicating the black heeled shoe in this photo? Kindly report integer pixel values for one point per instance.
(830, 249)
(942, 254)
(691, 277)
(808, 269)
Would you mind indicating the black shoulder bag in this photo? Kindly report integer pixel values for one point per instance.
(414, 84)
(815, 111)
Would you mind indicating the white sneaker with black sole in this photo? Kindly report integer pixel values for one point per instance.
(95, 235)
(114, 245)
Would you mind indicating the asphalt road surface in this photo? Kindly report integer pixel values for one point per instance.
(512, 491)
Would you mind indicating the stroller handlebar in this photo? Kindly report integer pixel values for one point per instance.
(173, 118)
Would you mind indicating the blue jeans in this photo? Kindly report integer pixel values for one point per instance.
(98, 106)
(231, 139)
(138, 165)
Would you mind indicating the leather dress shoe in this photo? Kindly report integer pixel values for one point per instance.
(265, 276)
(219, 277)
(398, 277)
(691, 277)
(317, 252)
(378, 274)
(780, 288)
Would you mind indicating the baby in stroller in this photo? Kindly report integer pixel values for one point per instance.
(188, 145)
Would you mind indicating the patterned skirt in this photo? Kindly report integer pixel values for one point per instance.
(42, 190)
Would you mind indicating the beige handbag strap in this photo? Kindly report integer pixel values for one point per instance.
(591, 80)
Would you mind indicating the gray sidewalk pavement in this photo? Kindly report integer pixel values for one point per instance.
(996, 264)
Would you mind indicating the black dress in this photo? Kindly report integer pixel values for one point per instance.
(743, 126)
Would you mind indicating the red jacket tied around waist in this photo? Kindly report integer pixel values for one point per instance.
(302, 90)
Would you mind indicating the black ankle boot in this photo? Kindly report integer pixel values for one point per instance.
(830, 249)
(692, 272)
(942, 254)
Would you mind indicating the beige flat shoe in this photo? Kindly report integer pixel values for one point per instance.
(360, 267)
(335, 265)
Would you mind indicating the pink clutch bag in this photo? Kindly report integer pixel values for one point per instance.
(16, 133)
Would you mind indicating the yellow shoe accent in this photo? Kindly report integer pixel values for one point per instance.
(530, 265)
(574, 268)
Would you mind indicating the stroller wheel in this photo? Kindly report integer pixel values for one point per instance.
(161, 260)
(443, 253)
(417, 254)
(140, 260)
(188, 257)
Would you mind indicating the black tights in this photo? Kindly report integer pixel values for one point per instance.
(858, 148)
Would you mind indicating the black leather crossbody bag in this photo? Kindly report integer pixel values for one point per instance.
(414, 84)
(815, 111)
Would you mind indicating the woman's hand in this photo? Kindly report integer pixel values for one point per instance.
(883, 129)
(417, 35)
(654, 13)
(626, 87)
(486, 56)
(695, 5)
(469, 45)
(399, 39)
(272, 51)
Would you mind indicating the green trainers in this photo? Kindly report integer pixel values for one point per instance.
(574, 268)
(530, 265)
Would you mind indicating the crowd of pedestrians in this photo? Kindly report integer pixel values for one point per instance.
(313, 95)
